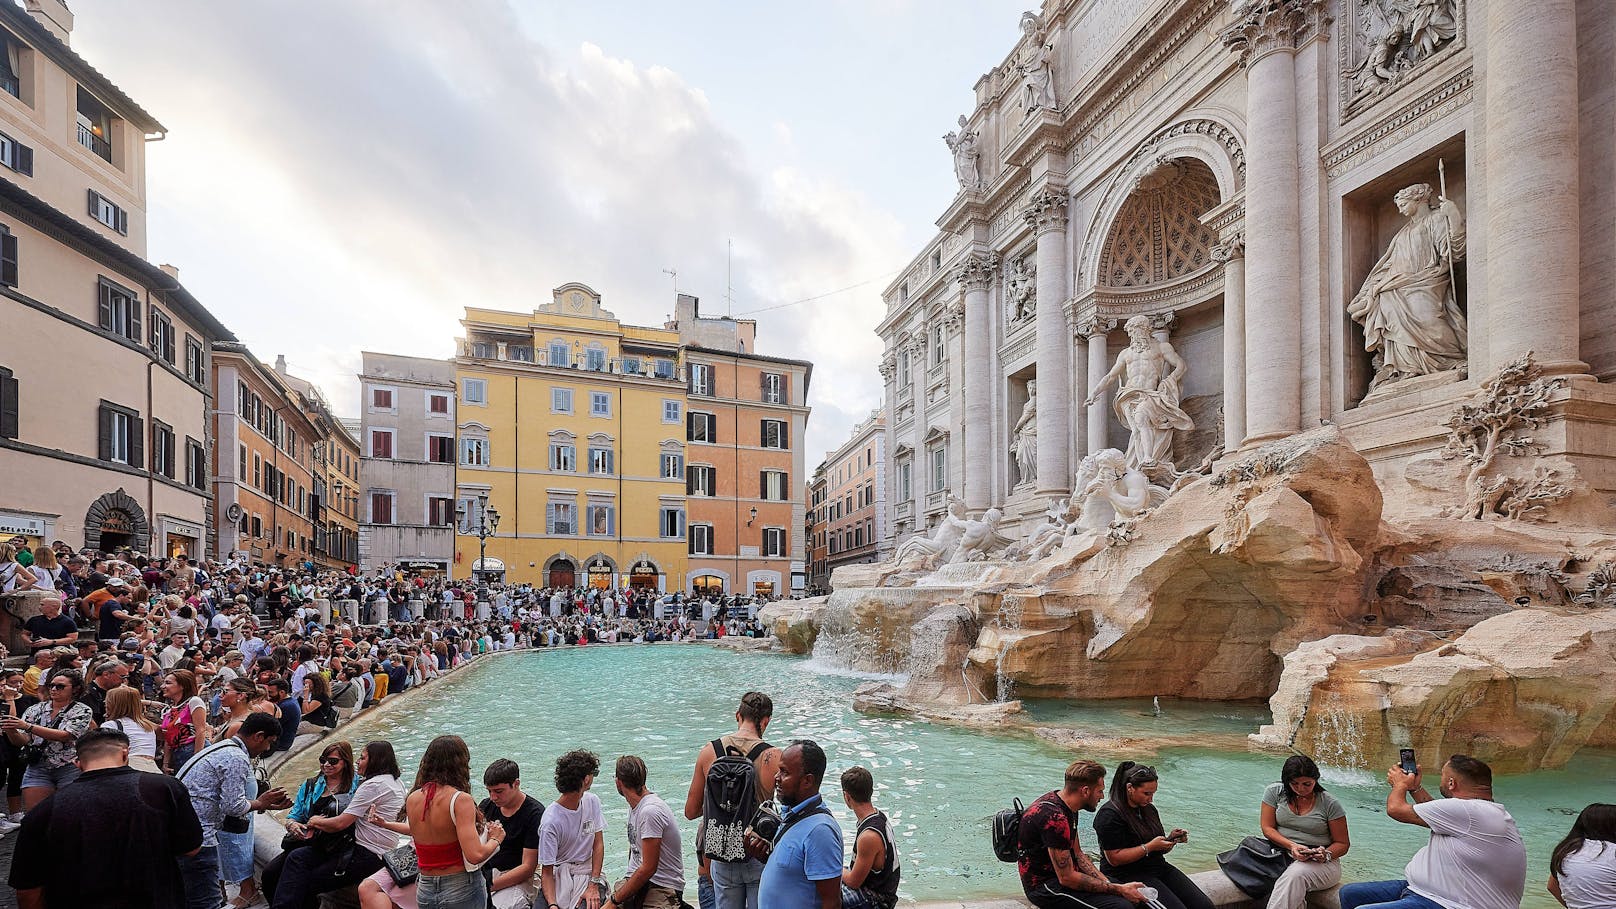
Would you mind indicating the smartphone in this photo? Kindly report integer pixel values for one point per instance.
(1405, 759)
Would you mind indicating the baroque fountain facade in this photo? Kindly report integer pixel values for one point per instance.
(1264, 353)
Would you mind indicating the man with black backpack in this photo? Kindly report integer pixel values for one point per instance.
(1055, 873)
(734, 774)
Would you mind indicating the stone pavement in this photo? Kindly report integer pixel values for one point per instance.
(8, 898)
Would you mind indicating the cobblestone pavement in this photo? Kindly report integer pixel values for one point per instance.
(8, 899)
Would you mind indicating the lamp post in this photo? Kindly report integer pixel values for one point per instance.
(487, 524)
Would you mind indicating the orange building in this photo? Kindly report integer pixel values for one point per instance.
(851, 503)
(263, 448)
(744, 472)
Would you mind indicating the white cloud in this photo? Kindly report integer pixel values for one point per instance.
(346, 176)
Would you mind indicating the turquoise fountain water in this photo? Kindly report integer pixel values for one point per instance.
(940, 784)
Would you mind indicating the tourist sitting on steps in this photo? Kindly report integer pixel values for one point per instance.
(1309, 823)
(871, 878)
(1474, 859)
(572, 837)
(1055, 873)
(513, 871)
(1133, 843)
(656, 868)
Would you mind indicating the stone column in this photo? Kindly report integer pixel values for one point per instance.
(1080, 388)
(1232, 253)
(1266, 37)
(974, 275)
(1531, 169)
(1099, 365)
(1046, 215)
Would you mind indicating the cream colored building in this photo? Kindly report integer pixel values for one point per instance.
(1228, 172)
(104, 357)
(407, 466)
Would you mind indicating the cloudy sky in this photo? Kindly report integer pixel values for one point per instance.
(342, 175)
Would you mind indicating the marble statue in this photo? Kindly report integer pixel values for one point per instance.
(963, 145)
(925, 553)
(1037, 74)
(1059, 518)
(1148, 374)
(1024, 438)
(1398, 35)
(980, 539)
(1410, 317)
(1021, 289)
(1113, 491)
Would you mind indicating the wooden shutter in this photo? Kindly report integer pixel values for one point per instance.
(104, 433)
(8, 259)
(9, 395)
(23, 156)
(95, 210)
(763, 484)
(104, 298)
(785, 388)
(785, 434)
(122, 219)
(137, 441)
(134, 319)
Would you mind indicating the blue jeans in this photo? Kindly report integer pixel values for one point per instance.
(857, 899)
(459, 890)
(200, 875)
(735, 884)
(705, 897)
(1384, 894)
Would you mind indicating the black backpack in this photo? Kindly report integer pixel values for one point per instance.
(1007, 832)
(729, 800)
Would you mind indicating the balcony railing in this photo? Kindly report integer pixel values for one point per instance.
(95, 143)
(647, 369)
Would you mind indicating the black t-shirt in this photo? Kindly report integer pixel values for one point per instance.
(1048, 824)
(111, 625)
(52, 629)
(135, 824)
(1113, 832)
(323, 713)
(521, 831)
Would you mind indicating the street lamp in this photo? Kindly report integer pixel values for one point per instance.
(487, 525)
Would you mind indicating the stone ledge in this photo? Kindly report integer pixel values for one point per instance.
(1223, 893)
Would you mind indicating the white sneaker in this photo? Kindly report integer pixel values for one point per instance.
(15, 817)
(7, 825)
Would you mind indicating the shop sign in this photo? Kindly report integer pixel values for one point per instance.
(12, 524)
(643, 568)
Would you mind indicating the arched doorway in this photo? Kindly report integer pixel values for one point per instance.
(643, 575)
(114, 521)
(600, 570)
(704, 584)
(561, 572)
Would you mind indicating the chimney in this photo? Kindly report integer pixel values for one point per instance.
(54, 15)
(173, 271)
(280, 363)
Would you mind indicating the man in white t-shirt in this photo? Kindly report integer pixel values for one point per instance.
(572, 837)
(1474, 860)
(656, 867)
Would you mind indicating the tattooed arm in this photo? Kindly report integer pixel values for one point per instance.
(1082, 875)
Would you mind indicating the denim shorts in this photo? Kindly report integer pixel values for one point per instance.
(54, 777)
(461, 890)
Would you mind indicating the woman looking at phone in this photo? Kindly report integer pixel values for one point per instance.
(1133, 844)
(1301, 818)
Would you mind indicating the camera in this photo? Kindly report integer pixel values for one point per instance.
(765, 824)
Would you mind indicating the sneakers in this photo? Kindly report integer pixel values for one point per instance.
(7, 825)
(15, 817)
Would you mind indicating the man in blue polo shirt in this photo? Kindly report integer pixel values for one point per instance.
(805, 869)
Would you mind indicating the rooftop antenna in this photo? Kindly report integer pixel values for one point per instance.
(729, 274)
(674, 274)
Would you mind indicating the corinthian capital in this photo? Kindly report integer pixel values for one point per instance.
(1231, 247)
(976, 271)
(954, 316)
(1046, 210)
(1261, 26)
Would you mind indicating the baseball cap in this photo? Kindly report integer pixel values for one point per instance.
(116, 582)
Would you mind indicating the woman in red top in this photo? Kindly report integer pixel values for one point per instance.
(444, 827)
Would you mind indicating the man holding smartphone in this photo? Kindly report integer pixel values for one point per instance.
(1475, 857)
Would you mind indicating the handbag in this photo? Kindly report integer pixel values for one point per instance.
(31, 753)
(400, 864)
(1254, 866)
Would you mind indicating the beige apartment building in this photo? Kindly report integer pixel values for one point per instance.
(104, 357)
(407, 463)
(334, 456)
(850, 507)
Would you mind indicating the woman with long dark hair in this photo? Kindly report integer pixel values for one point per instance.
(185, 729)
(1309, 823)
(1133, 844)
(447, 845)
(1582, 870)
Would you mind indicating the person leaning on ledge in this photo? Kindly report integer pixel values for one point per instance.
(1474, 858)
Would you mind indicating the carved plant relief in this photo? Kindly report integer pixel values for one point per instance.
(1510, 404)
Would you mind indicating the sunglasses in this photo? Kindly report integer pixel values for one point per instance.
(331, 760)
(60, 687)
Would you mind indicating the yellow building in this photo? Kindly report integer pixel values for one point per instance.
(573, 426)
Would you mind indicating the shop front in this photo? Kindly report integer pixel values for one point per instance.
(34, 528)
(180, 538)
(487, 571)
(116, 521)
(707, 584)
(600, 572)
(763, 583)
(643, 575)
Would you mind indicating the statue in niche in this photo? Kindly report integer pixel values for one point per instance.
(963, 145)
(1021, 289)
(1149, 374)
(1037, 73)
(1024, 438)
(925, 553)
(1398, 35)
(1410, 316)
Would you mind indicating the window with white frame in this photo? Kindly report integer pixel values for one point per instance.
(701, 379)
(382, 398)
(473, 452)
(600, 520)
(381, 443)
(700, 480)
(774, 541)
(630, 366)
(774, 388)
(937, 344)
(561, 518)
(439, 448)
(903, 371)
(437, 405)
(664, 368)
(560, 353)
(600, 404)
(671, 522)
(774, 434)
(939, 469)
(701, 539)
(673, 466)
(671, 411)
(600, 460)
(701, 427)
(474, 391)
(772, 486)
(563, 457)
(440, 511)
(595, 358)
(561, 400)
